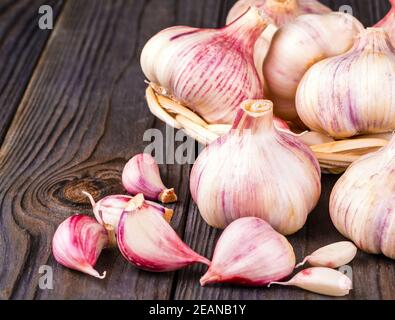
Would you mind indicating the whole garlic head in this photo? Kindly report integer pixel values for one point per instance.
(353, 93)
(256, 171)
(299, 45)
(362, 204)
(209, 70)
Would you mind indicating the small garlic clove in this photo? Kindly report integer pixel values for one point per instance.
(108, 211)
(78, 242)
(332, 256)
(147, 241)
(323, 281)
(250, 252)
(388, 22)
(141, 175)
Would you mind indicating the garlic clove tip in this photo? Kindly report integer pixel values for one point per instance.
(168, 196)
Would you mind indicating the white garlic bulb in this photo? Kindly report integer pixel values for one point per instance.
(299, 45)
(256, 170)
(362, 204)
(388, 23)
(209, 70)
(353, 93)
(280, 11)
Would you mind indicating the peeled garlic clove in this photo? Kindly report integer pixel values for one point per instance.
(388, 22)
(209, 70)
(146, 240)
(78, 242)
(141, 175)
(297, 46)
(333, 256)
(230, 178)
(323, 281)
(281, 11)
(351, 94)
(362, 202)
(250, 252)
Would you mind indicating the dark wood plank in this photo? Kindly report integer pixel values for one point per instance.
(21, 43)
(373, 275)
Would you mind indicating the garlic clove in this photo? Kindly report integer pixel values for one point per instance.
(362, 202)
(108, 210)
(388, 22)
(323, 281)
(230, 177)
(211, 71)
(351, 94)
(250, 252)
(147, 241)
(332, 256)
(297, 46)
(141, 175)
(78, 242)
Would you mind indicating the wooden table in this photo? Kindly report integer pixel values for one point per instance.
(72, 111)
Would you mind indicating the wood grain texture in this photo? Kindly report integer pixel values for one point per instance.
(21, 43)
(81, 117)
(373, 275)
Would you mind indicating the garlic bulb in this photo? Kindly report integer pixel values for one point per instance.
(299, 45)
(280, 11)
(332, 256)
(209, 70)
(322, 281)
(250, 252)
(141, 175)
(388, 23)
(363, 200)
(78, 242)
(147, 241)
(353, 93)
(256, 170)
(108, 210)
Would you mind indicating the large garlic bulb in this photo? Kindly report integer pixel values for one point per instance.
(388, 22)
(256, 171)
(280, 12)
(362, 204)
(353, 93)
(209, 70)
(299, 45)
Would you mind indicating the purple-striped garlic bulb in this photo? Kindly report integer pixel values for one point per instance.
(296, 47)
(209, 70)
(256, 170)
(141, 175)
(250, 252)
(280, 12)
(108, 211)
(362, 203)
(147, 241)
(78, 242)
(388, 23)
(353, 93)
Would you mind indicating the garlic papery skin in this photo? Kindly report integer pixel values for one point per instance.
(280, 11)
(141, 175)
(362, 203)
(78, 242)
(323, 281)
(354, 93)
(250, 252)
(147, 241)
(108, 210)
(297, 46)
(256, 170)
(209, 70)
(332, 256)
(388, 23)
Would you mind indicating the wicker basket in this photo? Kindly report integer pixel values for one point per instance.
(334, 157)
